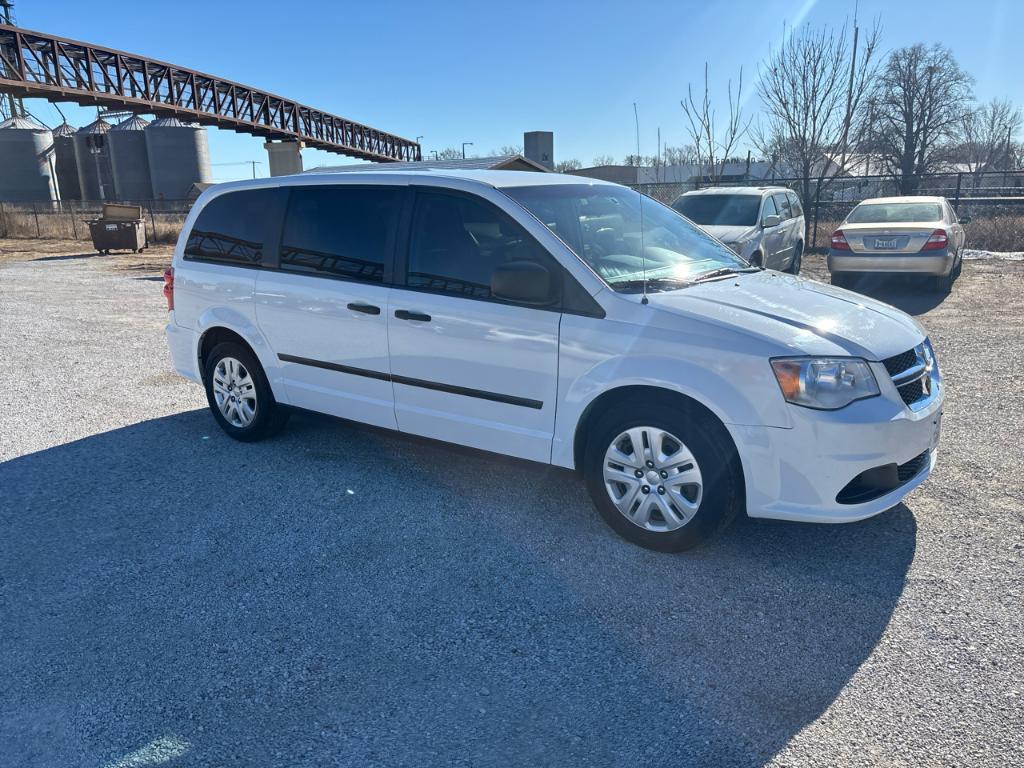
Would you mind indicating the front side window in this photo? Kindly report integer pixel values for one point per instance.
(769, 208)
(894, 213)
(782, 203)
(719, 210)
(339, 231)
(794, 201)
(458, 242)
(626, 238)
(232, 228)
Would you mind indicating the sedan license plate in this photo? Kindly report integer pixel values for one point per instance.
(880, 243)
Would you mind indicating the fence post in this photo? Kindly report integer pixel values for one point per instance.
(3, 217)
(74, 224)
(35, 215)
(817, 206)
(956, 197)
(152, 223)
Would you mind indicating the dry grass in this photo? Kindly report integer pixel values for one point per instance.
(160, 227)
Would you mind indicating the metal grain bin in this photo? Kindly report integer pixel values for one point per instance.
(129, 160)
(93, 155)
(67, 165)
(178, 157)
(27, 171)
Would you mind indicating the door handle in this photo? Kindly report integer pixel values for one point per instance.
(404, 314)
(368, 309)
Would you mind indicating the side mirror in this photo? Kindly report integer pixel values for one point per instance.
(771, 220)
(526, 282)
(965, 219)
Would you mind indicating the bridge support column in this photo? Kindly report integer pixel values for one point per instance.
(285, 157)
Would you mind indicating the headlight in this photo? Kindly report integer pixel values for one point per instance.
(824, 382)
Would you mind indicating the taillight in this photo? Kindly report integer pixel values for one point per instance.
(937, 241)
(169, 287)
(839, 241)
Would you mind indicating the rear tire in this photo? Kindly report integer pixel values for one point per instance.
(944, 283)
(705, 453)
(797, 261)
(239, 394)
(841, 279)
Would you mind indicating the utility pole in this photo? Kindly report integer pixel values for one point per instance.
(464, 145)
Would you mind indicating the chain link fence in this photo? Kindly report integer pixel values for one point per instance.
(994, 201)
(67, 219)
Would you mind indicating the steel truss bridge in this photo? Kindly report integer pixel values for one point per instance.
(36, 65)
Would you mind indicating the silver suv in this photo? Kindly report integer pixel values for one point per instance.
(764, 225)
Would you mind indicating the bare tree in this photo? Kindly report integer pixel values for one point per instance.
(920, 100)
(510, 149)
(564, 166)
(604, 160)
(713, 142)
(812, 89)
(684, 155)
(987, 138)
(451, 153)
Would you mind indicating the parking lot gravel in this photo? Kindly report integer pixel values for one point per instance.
(344, 596)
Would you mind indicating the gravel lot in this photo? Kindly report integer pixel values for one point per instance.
(342, 596)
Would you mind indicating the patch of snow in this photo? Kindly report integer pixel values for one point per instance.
(970, 253)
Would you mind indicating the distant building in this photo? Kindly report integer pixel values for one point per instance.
(496, 163)
(687, 174)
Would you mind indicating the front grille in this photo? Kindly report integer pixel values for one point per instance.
(915, 389)
(876, 482)
(911, 392)
(911, 469)
(899, 363)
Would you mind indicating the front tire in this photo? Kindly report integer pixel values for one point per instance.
(239, 394)
(663, 475)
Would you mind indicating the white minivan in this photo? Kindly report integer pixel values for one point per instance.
(566, 321)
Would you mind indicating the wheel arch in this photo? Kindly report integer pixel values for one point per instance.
(621, 395)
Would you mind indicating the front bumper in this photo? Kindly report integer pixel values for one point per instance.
(797, 473)
(930, 263)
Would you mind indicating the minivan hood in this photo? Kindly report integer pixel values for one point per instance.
(805, 316)
(728, 234)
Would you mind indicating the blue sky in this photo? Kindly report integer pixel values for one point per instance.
(485, 72)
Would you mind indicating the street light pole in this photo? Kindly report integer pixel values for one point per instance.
(464, 145)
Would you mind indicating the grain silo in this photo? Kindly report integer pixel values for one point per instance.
(129, 161)
(178, 157)
(26, 158)
(67, 166)
(93, 155)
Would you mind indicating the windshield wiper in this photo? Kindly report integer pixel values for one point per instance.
(721, 272)
(652, 283)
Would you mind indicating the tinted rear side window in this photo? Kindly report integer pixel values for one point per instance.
(232, 228)
(458, 241)
(344, 232)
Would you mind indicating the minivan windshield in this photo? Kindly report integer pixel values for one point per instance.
(894, 213)
(602, 224)
(720, 210)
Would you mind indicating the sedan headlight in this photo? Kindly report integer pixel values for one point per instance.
(826, 383)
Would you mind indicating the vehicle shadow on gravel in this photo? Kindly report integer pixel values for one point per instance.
(913, 295)
(342, 595)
